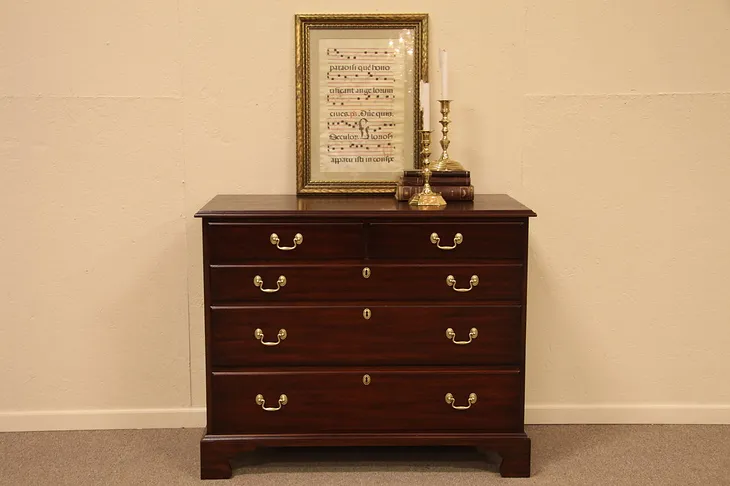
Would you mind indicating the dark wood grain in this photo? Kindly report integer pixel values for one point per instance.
(515, 457)
(317, 207)
(218, 450)
(395, 400)
(330, 345)
(480, 241)
(235, 284)
(233, 242)
(340, 335)
(216, 455)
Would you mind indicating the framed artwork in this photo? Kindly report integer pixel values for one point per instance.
(357, 92)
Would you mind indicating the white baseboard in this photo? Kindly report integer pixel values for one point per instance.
(627, 414)
(176, 418)
(155, 418)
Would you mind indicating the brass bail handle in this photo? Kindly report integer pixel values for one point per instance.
(259, 282)
(259, 335)
(451, 400)
(451, 282)
(436, 240)
(283, 400)
(274, 239)
(473, 333)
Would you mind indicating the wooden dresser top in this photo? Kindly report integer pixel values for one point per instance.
(236, 205)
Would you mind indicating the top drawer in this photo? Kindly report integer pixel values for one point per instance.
(448, 241)
(231, 242)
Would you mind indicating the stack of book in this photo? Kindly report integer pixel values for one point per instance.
(454, 185)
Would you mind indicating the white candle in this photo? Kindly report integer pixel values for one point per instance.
(425, 100)
(444, 66)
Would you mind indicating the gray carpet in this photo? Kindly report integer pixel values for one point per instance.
(561, 455)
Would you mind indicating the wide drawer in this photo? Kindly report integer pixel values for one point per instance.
(365, 335)
(231, 242)
(341, 401)
(448, 241)
(380, 282)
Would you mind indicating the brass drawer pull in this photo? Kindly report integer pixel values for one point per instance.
(450, 400)
(262, 403)
(458, 240)
(450, 334)
(259, 282)
(274, 239)
(473, 282)
(259, 334)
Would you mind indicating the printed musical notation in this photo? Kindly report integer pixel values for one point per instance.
(386, 148)
(341, 99)
(350, 53)
(368, 76)
(361, 101)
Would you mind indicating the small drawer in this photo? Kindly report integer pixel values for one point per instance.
(448, 241)
(365, 335)
(366, 400)
(306, 283)
(231, 242)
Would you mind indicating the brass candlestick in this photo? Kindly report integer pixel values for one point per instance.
(445, 162)
(427, 197)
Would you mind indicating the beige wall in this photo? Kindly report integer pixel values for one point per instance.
(118, 120)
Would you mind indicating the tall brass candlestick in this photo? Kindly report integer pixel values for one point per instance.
(445, 162)
(427, 197)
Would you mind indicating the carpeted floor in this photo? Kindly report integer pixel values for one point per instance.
(562, 455)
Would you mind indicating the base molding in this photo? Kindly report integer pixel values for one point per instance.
(194, 417)
(155, 418)
(216, 451)
(641, 413)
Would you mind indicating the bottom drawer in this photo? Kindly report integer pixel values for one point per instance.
(341, 401)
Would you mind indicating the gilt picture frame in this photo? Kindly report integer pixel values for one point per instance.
(357, 92)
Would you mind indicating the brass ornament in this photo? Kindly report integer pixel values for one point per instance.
(427, 198)
(445, 162)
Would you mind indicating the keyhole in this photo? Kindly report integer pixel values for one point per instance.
(366, 380)
(366, 272)
(366, 313)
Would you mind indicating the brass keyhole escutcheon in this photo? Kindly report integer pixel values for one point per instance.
(366, 380)
(366, 314)
(366, 272)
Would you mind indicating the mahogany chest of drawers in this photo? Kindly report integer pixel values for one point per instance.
(361, 321)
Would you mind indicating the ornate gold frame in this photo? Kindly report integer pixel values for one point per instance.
(303, 24)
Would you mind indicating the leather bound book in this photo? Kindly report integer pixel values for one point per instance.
(449, 193)
(439, 174)
(436, 180)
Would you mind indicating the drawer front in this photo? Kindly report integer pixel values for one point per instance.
(366, 335)
(339, 401)
(231, 243)
(448, 241)
(299, 283)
